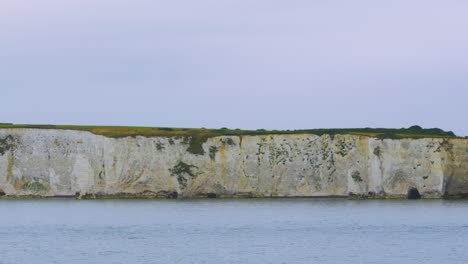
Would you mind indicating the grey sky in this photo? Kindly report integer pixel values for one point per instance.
(248, 64)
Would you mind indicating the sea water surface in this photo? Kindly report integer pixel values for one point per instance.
(233, 231)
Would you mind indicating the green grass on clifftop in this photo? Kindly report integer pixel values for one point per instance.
(125, 131)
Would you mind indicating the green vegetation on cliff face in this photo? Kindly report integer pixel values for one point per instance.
(6, 144)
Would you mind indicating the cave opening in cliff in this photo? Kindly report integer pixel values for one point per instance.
(413, 194)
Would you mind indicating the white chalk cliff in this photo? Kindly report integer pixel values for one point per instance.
(48, 162)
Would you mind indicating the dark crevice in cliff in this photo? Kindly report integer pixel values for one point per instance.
(413, 194)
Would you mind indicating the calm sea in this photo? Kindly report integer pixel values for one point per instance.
(233, 231)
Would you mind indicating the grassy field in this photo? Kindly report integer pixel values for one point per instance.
(197, 136)
(126, 131)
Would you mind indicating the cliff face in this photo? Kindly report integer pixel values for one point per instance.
(47, 162)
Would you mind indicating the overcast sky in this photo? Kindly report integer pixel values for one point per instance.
(239, 64)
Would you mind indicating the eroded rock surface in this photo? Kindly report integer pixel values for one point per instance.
(48, 162)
